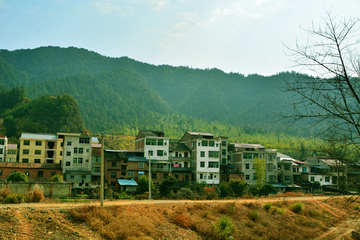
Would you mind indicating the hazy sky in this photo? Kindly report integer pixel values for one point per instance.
(244, 36)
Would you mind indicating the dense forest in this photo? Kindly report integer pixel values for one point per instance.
(45, 114)
(121, 95)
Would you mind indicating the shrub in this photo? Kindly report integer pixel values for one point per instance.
(183, 221)
(123, 195)
(238, 187)
(210, 193)
(56, 178)
(357, 207)
(254, 215)
(167, 184)
(280, 210)
(224, 227)
(267, 206)
(17, 177)
(35, 195)
(297, 207)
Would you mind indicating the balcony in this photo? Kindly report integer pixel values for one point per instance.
(156, 169)
(172, 158)
(181, 170)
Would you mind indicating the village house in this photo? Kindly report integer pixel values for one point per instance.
(3, 146)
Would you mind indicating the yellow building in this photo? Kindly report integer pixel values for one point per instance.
(40, 148)
(11, 153)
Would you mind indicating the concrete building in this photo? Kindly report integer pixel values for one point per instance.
(3, 147)
(205, 153)
(40, 148)
(12, 153)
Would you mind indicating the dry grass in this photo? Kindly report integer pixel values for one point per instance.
(182, 220)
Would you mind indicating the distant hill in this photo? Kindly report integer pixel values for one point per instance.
(117, 92)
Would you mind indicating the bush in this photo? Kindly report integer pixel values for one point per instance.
(267, 206)
(166, 185)
(18, 177)
(238, 187)
(254, 215)
(35, 195)
(123, 195)
(224, 227)
(56, 178)
(280, 210)
(210, 193)
(297, 207)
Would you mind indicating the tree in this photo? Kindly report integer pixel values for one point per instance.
(17, 177)
(260, 171)
(166, 185)
(144, 184)
(331, 97)
(238, 187)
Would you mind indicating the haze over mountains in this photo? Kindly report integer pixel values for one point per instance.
(122, 94)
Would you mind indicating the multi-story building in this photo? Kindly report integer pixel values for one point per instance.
(12, 153)
(3, 146)
(244, 154)
(76, 163)
(95, 161)
(40, 148)
(155, 146)
(180, 158)
(205, 152)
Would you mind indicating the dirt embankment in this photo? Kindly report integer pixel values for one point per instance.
(320, 218)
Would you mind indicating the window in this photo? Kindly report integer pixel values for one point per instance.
(247, 177)
(27, 173)
(150, 142)
(27, 142)
(223, 143)
(2, 141)
(25, 151)
(247, 155)
(287, 167)
(160, 142)
(53, 174)
(131, 173)
(123, 167)
(83, 176)
(1, 173)
(80, 184)
(113, 184)
(80, 160)
(223, 161)
(255, 155)
(287, 178)
(270, 166)
(202, 154)
(68, 164)
(199, 143)
(60, 153)
(247, 165)
(113, 164)
(211, 143)
(140, 165)
(223, 152)
(201, 176)
(204, 143)
(327, 179)
(1, 159)
(123, 173)
(75, 160)
(37, 160)
(151, 153)
(160, 152)
(37, 152)
(25, 160)
(303, 169)
(38, 143)
(68, 143)
(68, 153)
(11, 152)
(1, 150)
(213, 154)
(87, 150)
(229, 157)
(213, 165)
(312, 179)
(113, 174)
(40, 173)
(75, 150)
(202, 164)
(81, 150)
(153, 175)
(211, 176)
(84, 140)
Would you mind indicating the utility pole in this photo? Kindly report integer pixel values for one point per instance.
(149, 175)
(102, 172)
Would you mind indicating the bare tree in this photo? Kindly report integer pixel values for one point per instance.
(327, 92)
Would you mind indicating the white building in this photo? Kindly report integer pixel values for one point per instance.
(205, 156)
(3, 144)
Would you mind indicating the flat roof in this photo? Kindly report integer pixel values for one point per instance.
(42, 136)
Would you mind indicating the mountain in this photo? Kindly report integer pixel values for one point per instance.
(116, 92)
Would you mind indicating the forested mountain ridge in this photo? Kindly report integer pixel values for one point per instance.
(116, 92)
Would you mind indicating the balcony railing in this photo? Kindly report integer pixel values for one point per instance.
(180, 169)
(172, 158)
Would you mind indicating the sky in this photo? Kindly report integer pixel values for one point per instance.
(244, 36)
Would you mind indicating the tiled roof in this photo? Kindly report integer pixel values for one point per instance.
(42, 136)
(178, 146)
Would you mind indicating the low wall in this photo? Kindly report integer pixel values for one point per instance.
(51, 189)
